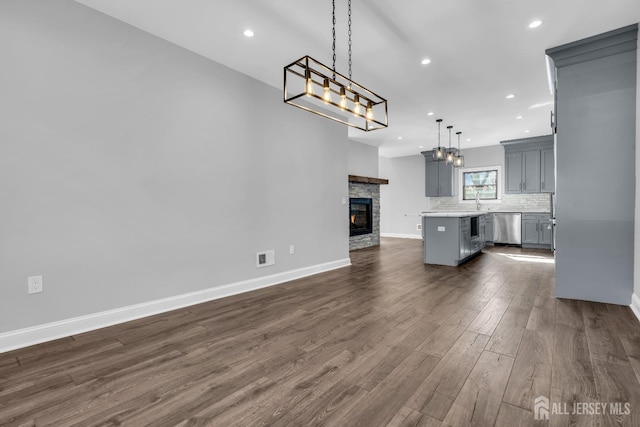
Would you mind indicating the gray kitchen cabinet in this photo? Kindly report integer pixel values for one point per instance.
(465, 238)
(596, 111)
(448, 240)
(546, 232)
(487, 228)
(530, 233)
(531, 171)
(536, 230)
(513, 172)
(529, 165)
(445, 179)
(438, 177)
(432, 179)
(547, 171)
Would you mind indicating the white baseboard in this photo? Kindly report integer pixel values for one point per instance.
(402, 236)
(635, 305)
(50, 331)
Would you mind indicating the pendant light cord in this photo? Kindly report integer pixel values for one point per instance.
(349, 40)
(333, 47)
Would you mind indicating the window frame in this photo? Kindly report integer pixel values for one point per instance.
(499, 183)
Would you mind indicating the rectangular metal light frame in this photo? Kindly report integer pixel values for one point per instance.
(321, 79)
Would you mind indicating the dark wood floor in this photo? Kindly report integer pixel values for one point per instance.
(386, 342)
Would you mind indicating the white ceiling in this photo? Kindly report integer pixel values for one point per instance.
(481, 50)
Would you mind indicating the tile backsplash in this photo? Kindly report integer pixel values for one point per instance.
(509, 203)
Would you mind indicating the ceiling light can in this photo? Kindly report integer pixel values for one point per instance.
(535, 24)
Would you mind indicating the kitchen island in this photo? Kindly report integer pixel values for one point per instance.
(451, 238)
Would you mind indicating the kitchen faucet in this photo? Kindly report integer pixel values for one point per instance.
(477, 200)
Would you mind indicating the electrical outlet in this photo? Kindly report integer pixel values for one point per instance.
(35, 284)
(292, 249)
(419, 227)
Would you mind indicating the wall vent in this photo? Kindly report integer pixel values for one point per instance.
(265, 258)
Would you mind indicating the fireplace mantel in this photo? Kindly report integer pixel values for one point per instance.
(368, 180)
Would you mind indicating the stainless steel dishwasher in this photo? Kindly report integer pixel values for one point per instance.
(507, 228)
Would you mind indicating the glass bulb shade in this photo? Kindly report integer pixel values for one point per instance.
(308, 87)
(356, 105)
(326, 95)
(449, 157)
(369, 114)
(343, 98)
(459, 161)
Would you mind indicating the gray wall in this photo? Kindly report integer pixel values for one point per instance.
(132, 170)
(595, 192)
(403, 198)
(363, 160)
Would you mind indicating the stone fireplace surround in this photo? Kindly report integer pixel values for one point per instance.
(365, 187)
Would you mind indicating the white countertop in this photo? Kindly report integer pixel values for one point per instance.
(463, 214)
(452, 214)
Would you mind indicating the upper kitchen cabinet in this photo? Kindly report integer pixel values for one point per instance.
(438, 177)
(529, 165)
(547, 171)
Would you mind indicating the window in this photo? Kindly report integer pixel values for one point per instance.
(481, 182)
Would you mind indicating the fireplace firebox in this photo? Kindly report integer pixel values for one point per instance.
(360, 216)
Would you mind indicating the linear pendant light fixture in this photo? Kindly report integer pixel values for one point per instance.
(312, 86)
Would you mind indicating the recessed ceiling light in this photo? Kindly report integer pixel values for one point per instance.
(526, 131)
(468, 139)
(425, 61)
(421, 146)
(518, 117)
(510, 96)
(248, 33)
(430, 113)
(399, 137)
(535, 24)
